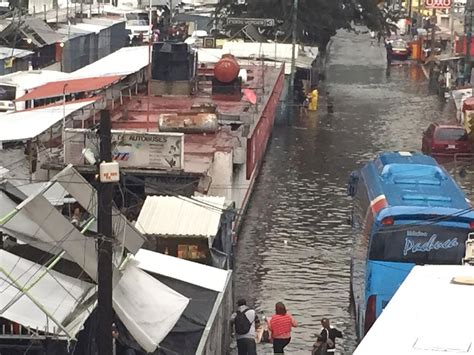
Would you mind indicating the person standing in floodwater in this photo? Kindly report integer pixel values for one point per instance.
(280, 325)
(328, 335)
(389, 49)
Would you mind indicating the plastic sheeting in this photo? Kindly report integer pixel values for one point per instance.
(148, 308)
(191, 272)
(54, 294)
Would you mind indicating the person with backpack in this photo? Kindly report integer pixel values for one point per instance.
(244, 321)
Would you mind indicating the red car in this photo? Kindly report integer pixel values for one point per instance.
(400, 50)
(445, 139)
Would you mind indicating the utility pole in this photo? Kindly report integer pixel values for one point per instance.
(293, 54)
(410, 24)
(104, 271)
(171, 12)
(468, 30)
(433, 33)
(451, 28)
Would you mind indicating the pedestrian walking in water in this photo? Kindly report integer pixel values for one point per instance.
(372, 38)
(244, 321)
(329, 103)
(280, 325)
(389, 49)
(326, 343)
(379, 37)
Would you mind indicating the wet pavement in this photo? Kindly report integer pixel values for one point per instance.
(295, 244)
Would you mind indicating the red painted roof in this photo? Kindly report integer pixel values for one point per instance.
(59, 88)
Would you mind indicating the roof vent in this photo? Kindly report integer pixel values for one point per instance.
(413, 174)
(430, 198)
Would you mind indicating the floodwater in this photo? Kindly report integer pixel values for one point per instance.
(295, 244)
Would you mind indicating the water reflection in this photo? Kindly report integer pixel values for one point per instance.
(300, 196)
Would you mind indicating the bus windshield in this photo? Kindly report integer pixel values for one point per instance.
(430, 244)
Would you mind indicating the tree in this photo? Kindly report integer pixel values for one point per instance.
(318, 20)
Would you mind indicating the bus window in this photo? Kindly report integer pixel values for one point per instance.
(432, 244)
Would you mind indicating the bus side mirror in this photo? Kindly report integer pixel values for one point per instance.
(352, 184)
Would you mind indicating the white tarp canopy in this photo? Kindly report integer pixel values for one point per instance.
(190, 272)
(17, 126)
(37, 218)
(29, 299)
(56, 194)
(53, 302)
(148, 308)
(181, 216)
(125, 61)
(430, 314)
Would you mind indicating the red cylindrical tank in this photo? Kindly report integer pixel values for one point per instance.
(226, 69)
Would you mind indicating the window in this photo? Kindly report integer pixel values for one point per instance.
(431, 244)
(192, 252)
(451, 134)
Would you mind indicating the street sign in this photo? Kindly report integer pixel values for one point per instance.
(259, 22)
(438, 4)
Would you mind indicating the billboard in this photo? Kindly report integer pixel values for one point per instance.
(140, 150)
(260, 22)
(438, 4)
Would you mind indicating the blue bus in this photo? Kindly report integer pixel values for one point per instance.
(407, 210)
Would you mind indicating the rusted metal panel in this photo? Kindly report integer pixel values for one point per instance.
(191, 123)
(257, 142)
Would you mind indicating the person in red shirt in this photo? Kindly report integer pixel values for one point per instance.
(280, 326)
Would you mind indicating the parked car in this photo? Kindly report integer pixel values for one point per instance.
(400, 49)
(445, 140)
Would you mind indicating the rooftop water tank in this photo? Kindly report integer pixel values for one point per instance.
(226, 69)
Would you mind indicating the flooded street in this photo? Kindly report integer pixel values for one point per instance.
(295, 244)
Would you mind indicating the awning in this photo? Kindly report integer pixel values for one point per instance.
(123, 62)
(187, 271)
(17, 126)
(148, 308)
(66, 87)
(181, 216)
(46, 300)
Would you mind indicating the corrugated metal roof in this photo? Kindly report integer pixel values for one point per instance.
(45, 34)
(6, 52)
(28, 124)
(182, 216)
(58, 88)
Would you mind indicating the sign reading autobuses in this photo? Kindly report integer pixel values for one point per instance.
(438, 4)
(141, 150)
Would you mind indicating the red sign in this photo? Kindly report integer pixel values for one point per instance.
(438, 4)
